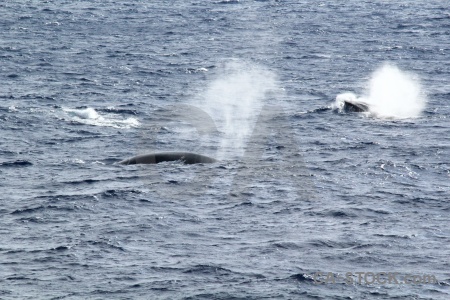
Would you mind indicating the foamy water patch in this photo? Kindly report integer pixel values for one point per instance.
(90, 116)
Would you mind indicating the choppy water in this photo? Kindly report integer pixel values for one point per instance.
(300, 188)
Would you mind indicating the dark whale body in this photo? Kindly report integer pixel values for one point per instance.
(155, 158)
(354, 106)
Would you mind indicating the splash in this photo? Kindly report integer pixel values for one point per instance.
(342, 98)
(90, 116)
(391, 93)
(234, 100)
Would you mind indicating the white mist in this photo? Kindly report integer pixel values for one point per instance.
(391, 93)
(394, 93)
(234, 100)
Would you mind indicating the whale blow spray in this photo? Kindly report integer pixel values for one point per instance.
(391, 93)
(234, 99)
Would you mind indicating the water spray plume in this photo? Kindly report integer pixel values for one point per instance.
(234, 100)
(396, 94)
(391, 93)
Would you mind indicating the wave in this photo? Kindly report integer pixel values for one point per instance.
(90, 116)
(16, 163)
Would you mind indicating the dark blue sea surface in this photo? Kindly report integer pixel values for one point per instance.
(303, 192)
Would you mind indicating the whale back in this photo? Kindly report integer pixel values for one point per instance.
(353, 106)
(155, 158)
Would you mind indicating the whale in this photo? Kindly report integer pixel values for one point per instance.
(155, 158)
(355, 106)
(348, 102)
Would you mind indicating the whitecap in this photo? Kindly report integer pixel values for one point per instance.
(90, 116)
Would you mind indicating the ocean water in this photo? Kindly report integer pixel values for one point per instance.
(303, 193)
